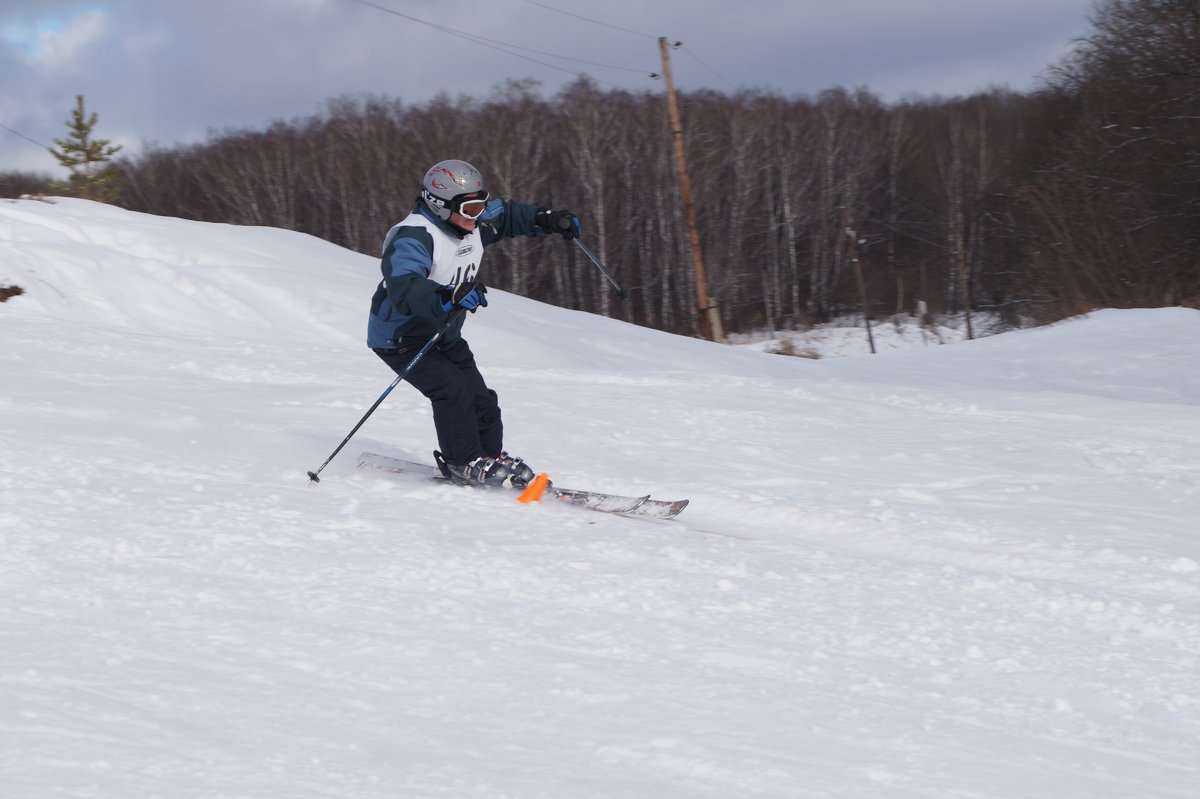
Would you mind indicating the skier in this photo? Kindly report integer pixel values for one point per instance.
(430, 268)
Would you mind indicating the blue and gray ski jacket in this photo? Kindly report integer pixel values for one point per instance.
(421, 255)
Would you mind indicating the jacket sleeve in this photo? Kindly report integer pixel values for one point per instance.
(506, 219)
(407, 262)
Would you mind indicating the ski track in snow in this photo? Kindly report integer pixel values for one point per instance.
(970, 570)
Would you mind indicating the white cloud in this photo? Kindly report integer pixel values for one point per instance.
(170, 72)
(58, 45)
(146, 43)
(24, 36)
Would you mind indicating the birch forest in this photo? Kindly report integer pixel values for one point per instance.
(1033, 206)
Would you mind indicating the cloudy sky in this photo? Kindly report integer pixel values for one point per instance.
(172, 71)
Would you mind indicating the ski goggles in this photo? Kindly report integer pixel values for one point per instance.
(473, 205)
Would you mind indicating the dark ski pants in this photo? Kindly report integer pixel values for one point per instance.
(466, 413)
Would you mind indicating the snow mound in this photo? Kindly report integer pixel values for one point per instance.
(948, 571)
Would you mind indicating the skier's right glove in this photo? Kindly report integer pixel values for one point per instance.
(468, 296)
(558, 221)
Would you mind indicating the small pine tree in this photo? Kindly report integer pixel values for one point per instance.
(80, 154)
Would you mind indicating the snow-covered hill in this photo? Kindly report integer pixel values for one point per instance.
(970, 570)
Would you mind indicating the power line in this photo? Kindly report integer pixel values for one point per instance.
(706, 66)
(570, 58)
(23, 136)
(677, 45)
(500, 46)
(589, 19)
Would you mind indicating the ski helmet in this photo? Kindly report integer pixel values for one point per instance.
(446, 182)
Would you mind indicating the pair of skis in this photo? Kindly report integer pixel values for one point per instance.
(642, 507)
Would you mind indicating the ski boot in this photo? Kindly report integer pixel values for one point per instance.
(481, 471)
(520, 475)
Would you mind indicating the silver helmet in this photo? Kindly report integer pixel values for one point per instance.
(446, 182)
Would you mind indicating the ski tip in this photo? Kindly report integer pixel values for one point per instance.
(662, 509)
(676, 508)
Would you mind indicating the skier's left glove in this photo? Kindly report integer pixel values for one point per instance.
(468, 296)
(559, 221)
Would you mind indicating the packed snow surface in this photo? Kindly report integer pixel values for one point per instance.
(969, 570)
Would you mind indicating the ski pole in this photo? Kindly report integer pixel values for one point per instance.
(313, 476)
(622, 292)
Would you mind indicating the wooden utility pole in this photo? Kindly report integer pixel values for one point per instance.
(852, 234)
(710, 316)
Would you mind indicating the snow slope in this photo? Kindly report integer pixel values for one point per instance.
(959, 571)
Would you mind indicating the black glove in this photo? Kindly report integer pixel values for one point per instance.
(559, 221)
(468, 296)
